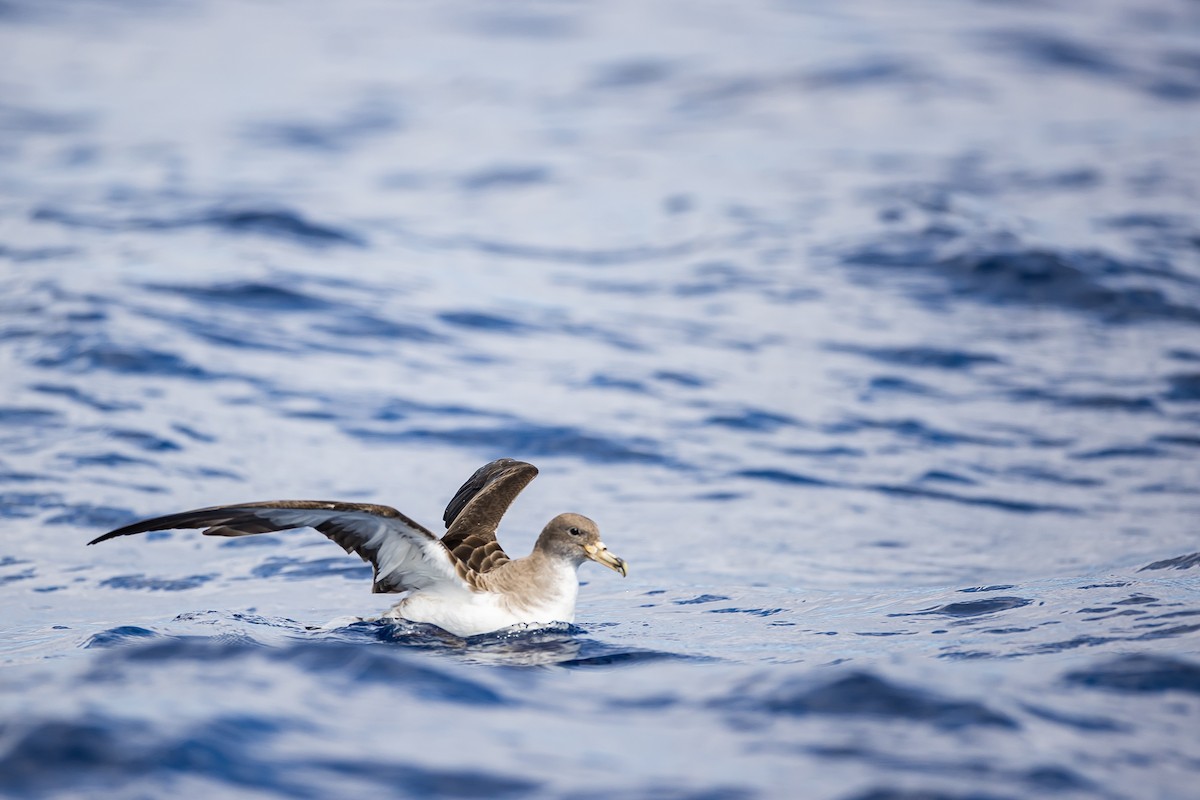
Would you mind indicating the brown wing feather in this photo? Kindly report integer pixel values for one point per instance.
(475, 511)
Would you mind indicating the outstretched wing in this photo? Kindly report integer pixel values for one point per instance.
(474, 514)
(403, 553)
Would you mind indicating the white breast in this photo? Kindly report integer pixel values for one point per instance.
(456, 608)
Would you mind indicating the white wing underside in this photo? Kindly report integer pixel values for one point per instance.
(404, 558)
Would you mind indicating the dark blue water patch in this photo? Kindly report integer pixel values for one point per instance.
(1046, 49)
(1039, 780)
(192, 433)
(23, 255)
(27, 417)
(210, 472)
(82, 354)
(917, 492)
(781, 476)
(248, 295)
(1067, 279)
(1164, 632)
(971, 608)
(277, 223)
(1000, 587)
(23, 575)
(357, 665)
(999, 503)
(616, 657)
(140, 582)
(349, 663)
(1182, 440)
(727, 94)
(1136, 600)
(836, 451)
(1120, 451)
(1140, 674)
(1039, 474)
(701, 599)
(602, 381)
(236, 335)
(753, 612)
(621, 339)
(398, 408)
(120, 636)
(1183, 355)
(1088, 723)
(861, 694)
(1070, 180)
(971, 174)
(1164, 80)
(360, 125)
(719, 496)
(686, 380)
(1143, 220)
(24, 119)
(1178, 562)
(262, 336)
(104, 459)
(894, 384)
(21, 505)
(1074, 643)
(506, 176)
(363, 325)
(1169, 88)
(424, 782)
(715, 277)
(292, 568)
(892, 793)
(942, 476)
(753, 419)
(77, 395)
(144, 441)
(630, 288)
(632, 74)
(635, 254)
(911, 429)
(865, 73)
(918, 356)
(98, 752)
(482, 321)
(86, 515)
(1184, 388)
(1096, 402)
(530, 440)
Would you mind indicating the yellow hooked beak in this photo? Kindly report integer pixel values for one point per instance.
(599, 553)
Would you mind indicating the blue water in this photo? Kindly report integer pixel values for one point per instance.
(869, 334)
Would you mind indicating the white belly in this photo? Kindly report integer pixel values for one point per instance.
(468, 613)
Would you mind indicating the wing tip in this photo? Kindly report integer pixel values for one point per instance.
(104, 537)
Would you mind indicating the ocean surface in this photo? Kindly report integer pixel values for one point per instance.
(869, 333)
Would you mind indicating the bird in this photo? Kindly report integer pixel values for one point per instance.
(462, 582)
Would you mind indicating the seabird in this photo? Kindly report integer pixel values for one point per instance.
(463, 582)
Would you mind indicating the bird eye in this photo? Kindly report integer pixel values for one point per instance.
(574, 531)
